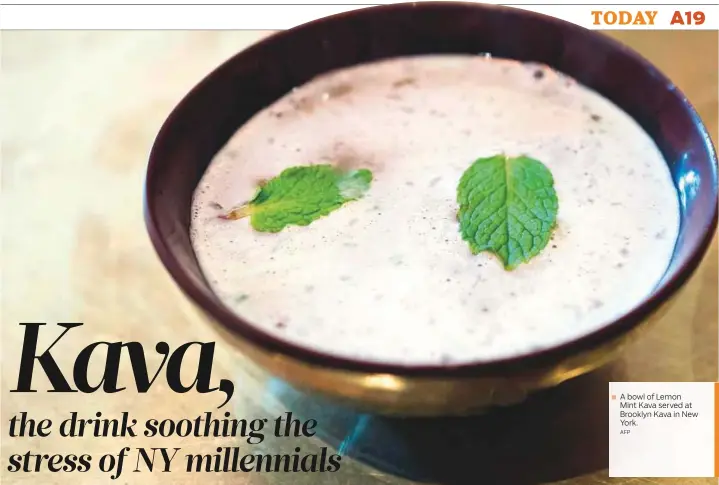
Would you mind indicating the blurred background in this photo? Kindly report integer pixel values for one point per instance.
(81, 110)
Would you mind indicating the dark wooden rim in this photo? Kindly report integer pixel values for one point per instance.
(201, 294)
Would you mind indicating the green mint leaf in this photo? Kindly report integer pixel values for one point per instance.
(301, 195)
(507, 206)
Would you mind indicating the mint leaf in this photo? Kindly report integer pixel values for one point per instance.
(301, 195)
(507, 206)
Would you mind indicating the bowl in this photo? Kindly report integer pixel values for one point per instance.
(254, 78)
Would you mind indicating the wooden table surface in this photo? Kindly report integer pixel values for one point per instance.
(82, 110)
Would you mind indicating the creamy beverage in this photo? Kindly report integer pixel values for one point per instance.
(388, 277)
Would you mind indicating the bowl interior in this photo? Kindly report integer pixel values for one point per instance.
(205, 120)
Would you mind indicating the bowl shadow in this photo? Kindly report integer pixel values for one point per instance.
(556, 434)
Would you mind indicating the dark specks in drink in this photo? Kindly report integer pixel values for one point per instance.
(538, 74)
(280, 325)
(396, 260)
(303, 105)
(595, 117)
(405, 81)
(241, 297)
(339, 90)
(624, 252)
(346, 157)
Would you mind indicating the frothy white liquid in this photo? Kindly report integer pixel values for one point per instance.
(388, 278)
